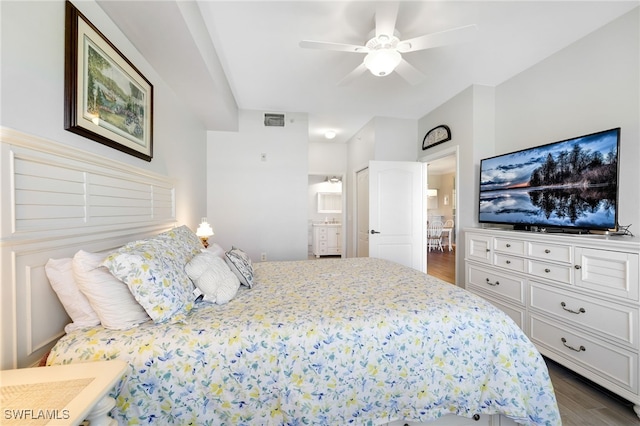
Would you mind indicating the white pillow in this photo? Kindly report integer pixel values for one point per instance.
(108, 296)
(213, 277)
(60, 274)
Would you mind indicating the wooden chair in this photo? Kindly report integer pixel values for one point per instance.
(434, 235)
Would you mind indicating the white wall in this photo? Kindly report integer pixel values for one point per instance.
(395, 139)
(592, 85)
(327, 158)
(32, 72)
(260, 206)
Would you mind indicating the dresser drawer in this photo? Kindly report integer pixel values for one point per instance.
(608, 319)
(509, 246)
(509, 262)
(614, 364)
(553, 252)
(502, 285)
(562, 273)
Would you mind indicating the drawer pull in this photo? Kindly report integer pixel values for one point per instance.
(508, 262)
(493, 284)
(580, 349)
(547, 251)
(547, 270)
(578, 267)
(508, 245)
(579, 311)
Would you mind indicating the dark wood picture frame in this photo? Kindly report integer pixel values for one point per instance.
(106, 98)
(436, 136)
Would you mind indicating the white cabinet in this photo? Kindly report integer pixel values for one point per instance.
(327, 239)
(575, 296)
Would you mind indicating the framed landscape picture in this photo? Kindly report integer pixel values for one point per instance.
(106, 98)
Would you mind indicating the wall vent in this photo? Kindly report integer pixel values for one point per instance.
(274, 120)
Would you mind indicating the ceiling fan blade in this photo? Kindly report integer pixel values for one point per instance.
(410, 73)
(327, 45)
(442, 38)
(357, 72)
(386, 15)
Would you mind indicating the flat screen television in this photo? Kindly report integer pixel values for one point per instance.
(565, 185)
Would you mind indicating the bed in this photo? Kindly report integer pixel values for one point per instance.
(351, 341)
(333, 342)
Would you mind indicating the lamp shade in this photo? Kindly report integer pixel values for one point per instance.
(382, 61)
(204, 230)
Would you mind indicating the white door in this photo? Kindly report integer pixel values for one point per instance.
(362, 212)
(396, 213)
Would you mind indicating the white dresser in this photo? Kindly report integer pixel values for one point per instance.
(327, 239)
(575, 296)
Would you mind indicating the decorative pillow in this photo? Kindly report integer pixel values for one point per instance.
(60, 274)
(154, 271)
(213, 277)
(240, 264)
(109, 297)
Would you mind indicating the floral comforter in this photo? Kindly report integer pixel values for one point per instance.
(332, 342)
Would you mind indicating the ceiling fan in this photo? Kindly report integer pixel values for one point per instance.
(384, 50)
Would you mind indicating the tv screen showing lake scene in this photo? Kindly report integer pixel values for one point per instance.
(571, 183)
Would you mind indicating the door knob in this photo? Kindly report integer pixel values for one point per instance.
(373, 231)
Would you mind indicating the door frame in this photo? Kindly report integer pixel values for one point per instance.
(454, 150)
(344, 215)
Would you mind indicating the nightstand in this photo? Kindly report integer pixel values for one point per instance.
(60, 394)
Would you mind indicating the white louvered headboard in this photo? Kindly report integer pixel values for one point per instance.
(56, 200)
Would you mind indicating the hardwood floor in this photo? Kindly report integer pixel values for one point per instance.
(583, 403)
(442, 264)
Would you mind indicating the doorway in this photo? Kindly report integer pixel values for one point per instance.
(326, 200)
(441, 206)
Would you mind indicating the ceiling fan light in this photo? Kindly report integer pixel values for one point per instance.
(382, 62)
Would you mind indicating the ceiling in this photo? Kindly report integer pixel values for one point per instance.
(219, 56)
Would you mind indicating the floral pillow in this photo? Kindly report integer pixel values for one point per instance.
(153, 269)
(184, 241)
(240, 263)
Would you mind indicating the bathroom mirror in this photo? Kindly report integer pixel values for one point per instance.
(329, 202)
